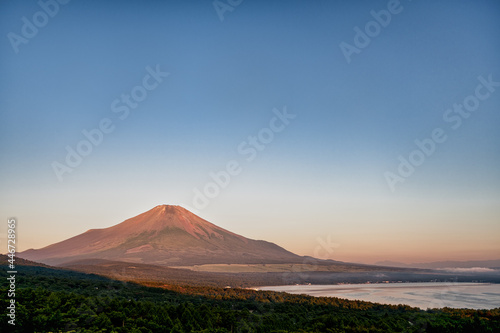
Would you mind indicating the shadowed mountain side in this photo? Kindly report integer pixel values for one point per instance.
(144, 273)
(20, 262)
(164, 276)
(165, 235)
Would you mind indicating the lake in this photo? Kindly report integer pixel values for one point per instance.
(423, 295)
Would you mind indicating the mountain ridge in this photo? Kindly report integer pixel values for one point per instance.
(165, 235)
(444, 264)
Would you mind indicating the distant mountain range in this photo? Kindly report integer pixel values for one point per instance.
(444, 264)
(173, 236)
(166, 236)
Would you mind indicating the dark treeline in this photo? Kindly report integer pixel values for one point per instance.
(52, 300)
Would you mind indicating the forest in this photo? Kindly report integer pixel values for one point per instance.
(57, 300)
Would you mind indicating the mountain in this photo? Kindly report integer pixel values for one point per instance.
(165, 235)
(445, 264)
(390, 263)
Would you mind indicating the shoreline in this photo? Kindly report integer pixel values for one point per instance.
(423, 295)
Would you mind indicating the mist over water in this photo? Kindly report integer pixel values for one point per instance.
(423, 295)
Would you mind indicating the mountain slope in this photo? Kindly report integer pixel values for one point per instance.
(165, 235)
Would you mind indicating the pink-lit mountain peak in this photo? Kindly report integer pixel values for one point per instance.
(165, 235)
(165, 217)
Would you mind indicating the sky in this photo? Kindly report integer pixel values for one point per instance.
(359, 131)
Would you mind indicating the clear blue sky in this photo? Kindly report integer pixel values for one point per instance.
(322, 178)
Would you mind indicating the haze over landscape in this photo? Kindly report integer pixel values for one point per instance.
(299, 136)
(169, 244)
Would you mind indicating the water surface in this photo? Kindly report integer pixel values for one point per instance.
(423, 295)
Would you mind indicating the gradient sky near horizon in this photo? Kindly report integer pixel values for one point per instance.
(319, 181)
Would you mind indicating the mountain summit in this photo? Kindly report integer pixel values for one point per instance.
(165, 235)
